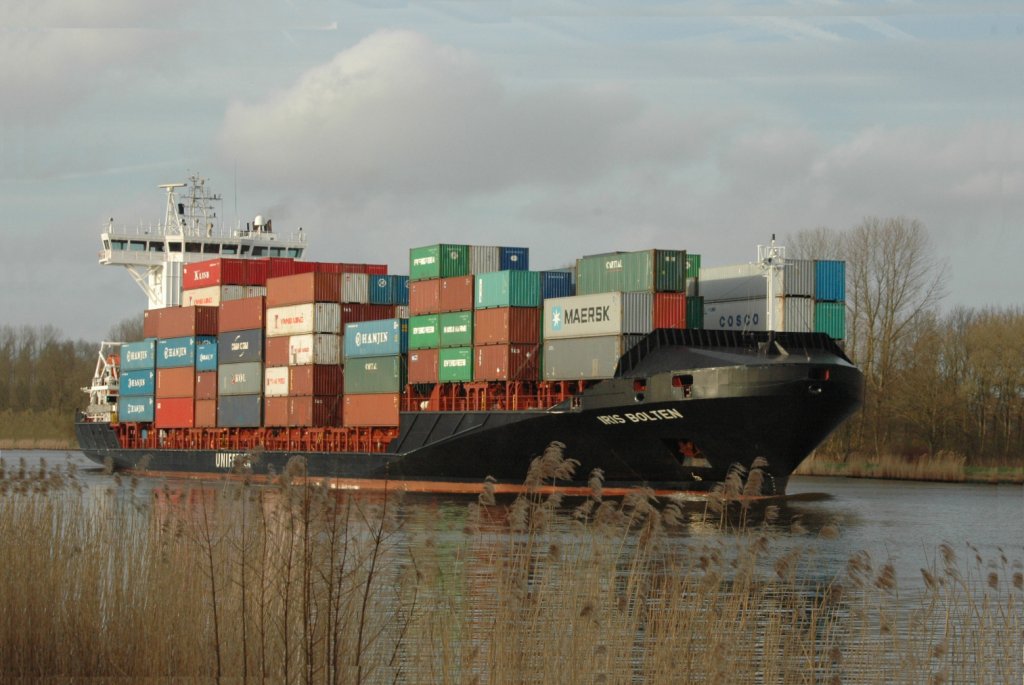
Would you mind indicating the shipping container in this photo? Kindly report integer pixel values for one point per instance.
(423, 366)
(177, 382)
(235, 347)
(255, 291)
(557, 284)
(277, 266)
(352, 312)
(257, 271)
(506, 362)
(246, 314)
(303, 288)
(747, 281)
(137, 383)
(151, 323)
(307, 411)
(376, 338)
(507, 289)
(792, 314)
(277, 351)
(829, 280)
(367, 375)
(180, 322)
(829, 318)
(456, 294)
(275, 381)
(389, 289)
(589, 358)
(206, 413)
(176, 352)
(506, 325)
(643, 271)
(669, 310)
(213, 296)
(425, 297)
(240, 411)
(354, 288)
(513, 259)
(598, 314)
(206, 385)
(240, 379)
(695, 312)
(206, 354)
(371, 410)
(401, 312)
(438, 261)
(315, 379)
(215, 272)
(456, 329)
(455, 365)
(138, 356)
(275, 412)
(308, 349)
(692, 265)
(298, 319)
(424, 332)
(175, 412)
(484, 259)
(135, 409)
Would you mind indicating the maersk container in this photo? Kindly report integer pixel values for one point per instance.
(235, 347)
(598, 315)
(695, 312)
(829, 280)
(371, 410)
(135, 409)
(514, 258)
(456, 329)
(376, 338)
(829, 318)
(206, 355)
(298, 319)
(275, 381)
(423, 366)
(389, 289)
(177, 382)
(585, 358)
(507, 289)
(212, 296)
(354, 288)
(242, 315)
(138, 356)
(646, 270)
(484, 259)
(506, 325)
(791, 314)
(438, 261)
(506, 362)
(175, 412)
(323, 348)
(455, 365)
(176, 352)
(371, 375)
(136, 383)
(240, 379)
(240, 411)
(456, 294)
(557, 284)
(424, 332)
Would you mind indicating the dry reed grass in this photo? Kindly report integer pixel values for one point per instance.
(37, 444)
(295, 584)
(945, 467)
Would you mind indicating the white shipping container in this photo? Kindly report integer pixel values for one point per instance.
(211, 296)
(299, 319)
(792, 314)
(589, 358)
(484, 259)
(401, 311)
(355, 288)
(255, 291)
(275, 381)
(747, 281)
(324, 348)
(584, 316)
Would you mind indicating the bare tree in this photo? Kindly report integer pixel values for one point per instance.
(815, 243)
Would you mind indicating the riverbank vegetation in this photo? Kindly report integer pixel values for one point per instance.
(295, 584)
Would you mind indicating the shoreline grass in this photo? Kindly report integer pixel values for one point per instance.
(943, 467)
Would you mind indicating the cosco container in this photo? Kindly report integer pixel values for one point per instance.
(180, 322)
(513, 258)
(483, 259)
(424, 332)
(176, 352)
(303, 288)
(240, 379)
(791, 314)
(456, 294)
(298, 319)
(506, 362)
(507, 289)
(747, 281)
(315, 379)
(242, 315)
(423, 366)
(215, 272)
(389, 289)
(438, 261)
(371, 410)
(557, 284)
(354, 288)
(175, 412)
(506, 325)
(135, 409)
(206, 385)
(829, 280)
(829, 318)
(455, 365)
(456, 329)
(376, 338)
(138, 356)
(307, 349)
(425, 297)
(585, 358)
(235, 347)
(275, 381)
(240, 411)
(206, 354)
(367, 375)
(213, 296)
(598, 314)
(647, 270)
(136, 383)
(177, 382)
(669, 310)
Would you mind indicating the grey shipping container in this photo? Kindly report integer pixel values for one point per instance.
(598, 314)
(240, 411)
(585, 358)
(236, 347)
(369, 375)
(240, 379)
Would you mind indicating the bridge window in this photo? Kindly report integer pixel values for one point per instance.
(294, 252)
(174, 247)
(193, 247)
(137, 246)
(229, 249)
(276, 252)
(211, 248)
(245, 249)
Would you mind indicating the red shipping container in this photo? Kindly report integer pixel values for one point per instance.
(377, 269)
(176, 412)
(314, 410)
(245, 314)
(178, 382)
(506, 362)
(351, 312)
(256, 271)
(456, 293)
(206, 386)
(425, 297)
(217, 271)
(278, 266)
(371, 410)
(206, 413)
(275, 411)
(504, 325)
(670, 310)
(181, 322)
(303, 288)
(422, 366)
(317, 379)
(327, 267)
(276, 351)
(151, 323)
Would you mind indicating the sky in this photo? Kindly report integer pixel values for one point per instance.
(567, 127)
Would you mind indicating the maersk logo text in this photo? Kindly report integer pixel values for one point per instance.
(584, 315)
(556, 318)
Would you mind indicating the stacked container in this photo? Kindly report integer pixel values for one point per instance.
(375, 371)
(138, 382)
(214, 281)
(830, 298)
(507, 326)
(186, 342)
(736, 297)
(665, 274)
(240, 358)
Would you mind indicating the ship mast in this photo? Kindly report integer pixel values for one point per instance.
(772, 260)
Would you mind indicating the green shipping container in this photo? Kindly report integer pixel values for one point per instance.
(695, 312)
(424, 332)
(692, 265)
(645, 271)
(456, 329)
(455, 365)
(438, 261)
(507, 289)
(371, 375)
(830, 318)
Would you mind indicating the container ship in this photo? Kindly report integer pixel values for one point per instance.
(464, 369)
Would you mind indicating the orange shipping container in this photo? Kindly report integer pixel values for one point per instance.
(206, 385)
(206, 413)
(318, 379)
(241, 315)
(371, 410)
(506, 362)
(303, 288)
(425, 297)
(182, 322)
(456, 294)
(275, 412)
(670, 310)
(175, 412)
(504, 325)
(422, 366)
(316, 410)
(177, 382)
(276, 350)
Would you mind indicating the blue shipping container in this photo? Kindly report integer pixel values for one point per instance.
(136, 383)
(513, 259)
(829, 280)
(381, 338)
(237, 347)
(175, 352)
(138, 356)
(206, 355)
(132, 409)
(389, 289)
(556, 284)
